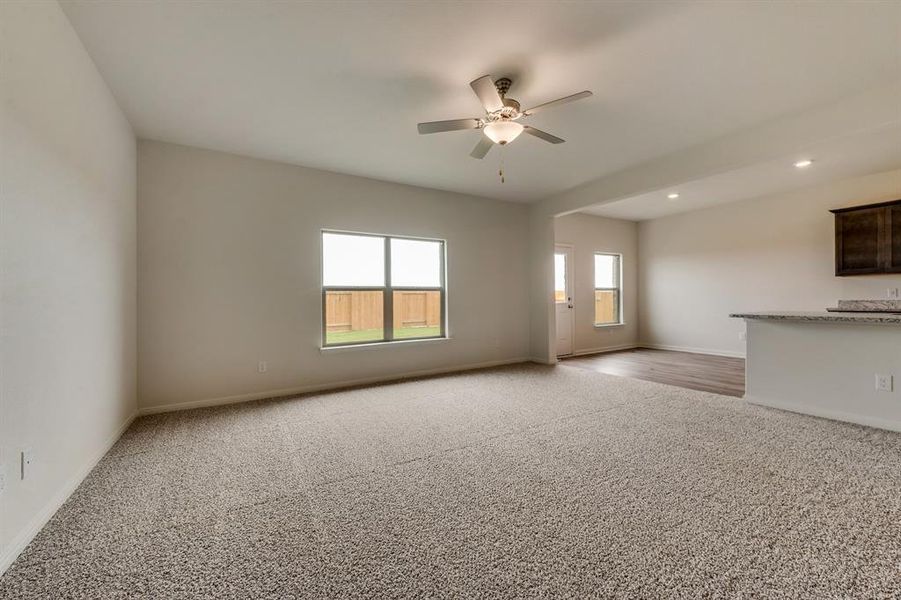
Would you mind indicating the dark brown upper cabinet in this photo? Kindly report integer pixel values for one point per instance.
(893, 237)
(868, 239)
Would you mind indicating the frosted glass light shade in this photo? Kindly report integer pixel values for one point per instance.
(502, 132)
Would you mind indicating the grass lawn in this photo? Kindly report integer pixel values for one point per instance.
(416, 332)
(375, 335)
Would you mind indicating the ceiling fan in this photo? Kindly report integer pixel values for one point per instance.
(500, 122)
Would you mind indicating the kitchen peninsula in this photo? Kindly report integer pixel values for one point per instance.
(840, 364)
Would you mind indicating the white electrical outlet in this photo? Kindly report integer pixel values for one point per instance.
(884, 383)
(262, 367)
(891, 293)
(26, 460)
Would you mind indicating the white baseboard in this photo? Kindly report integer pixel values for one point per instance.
(37, 523)
(710, 351)
(263, 395)
(604, 349)
(835, 415)
(542, 360)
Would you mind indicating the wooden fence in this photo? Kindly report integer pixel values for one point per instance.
(606, 306)
(356, 310)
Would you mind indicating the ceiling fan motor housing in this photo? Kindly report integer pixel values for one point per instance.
(511, 109)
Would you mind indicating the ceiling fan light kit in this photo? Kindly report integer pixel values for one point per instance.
(503, 132)
(499, 124)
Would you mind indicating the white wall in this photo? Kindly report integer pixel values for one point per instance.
(770, 253)
(543, 329)
(229, 272)
(67, 266)
(589, 234)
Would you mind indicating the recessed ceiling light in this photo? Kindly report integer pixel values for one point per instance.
(672, 196)
(803, 164)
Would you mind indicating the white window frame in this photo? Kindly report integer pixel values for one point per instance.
(618, 278)
(387, 290)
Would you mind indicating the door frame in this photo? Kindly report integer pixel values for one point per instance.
(570, 250)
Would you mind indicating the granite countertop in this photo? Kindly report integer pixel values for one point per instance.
(823, 316)
(891, 305)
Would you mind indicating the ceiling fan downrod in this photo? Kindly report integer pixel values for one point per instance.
(503, 85)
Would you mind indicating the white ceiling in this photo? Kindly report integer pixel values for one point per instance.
(341, 85)
(866, 152)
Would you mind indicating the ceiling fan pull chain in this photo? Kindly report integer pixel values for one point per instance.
(501, 171)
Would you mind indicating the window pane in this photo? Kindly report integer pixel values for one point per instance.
(417, 314)
(354, 260)
(415, 263)
(605, 271)
(559, 277)
(606, 307)
(354, 316)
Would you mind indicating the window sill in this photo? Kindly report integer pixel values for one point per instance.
(373, 345)
(606, 325)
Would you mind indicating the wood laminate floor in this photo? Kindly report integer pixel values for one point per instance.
(705, 372)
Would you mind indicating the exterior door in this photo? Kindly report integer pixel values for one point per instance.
(563, 298)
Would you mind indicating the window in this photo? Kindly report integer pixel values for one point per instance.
(559, 278)
(607, 289)
(381, 289)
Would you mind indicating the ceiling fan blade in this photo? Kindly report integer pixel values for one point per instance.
(556, 102)
(543, 135)
(482, 147)
(487, 92)
(452, 125)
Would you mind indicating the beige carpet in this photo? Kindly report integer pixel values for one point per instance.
(525, 481)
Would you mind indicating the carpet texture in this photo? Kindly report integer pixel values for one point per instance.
(524, 481)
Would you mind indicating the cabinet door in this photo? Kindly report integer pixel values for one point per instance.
(860, 241)
(893, 239)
